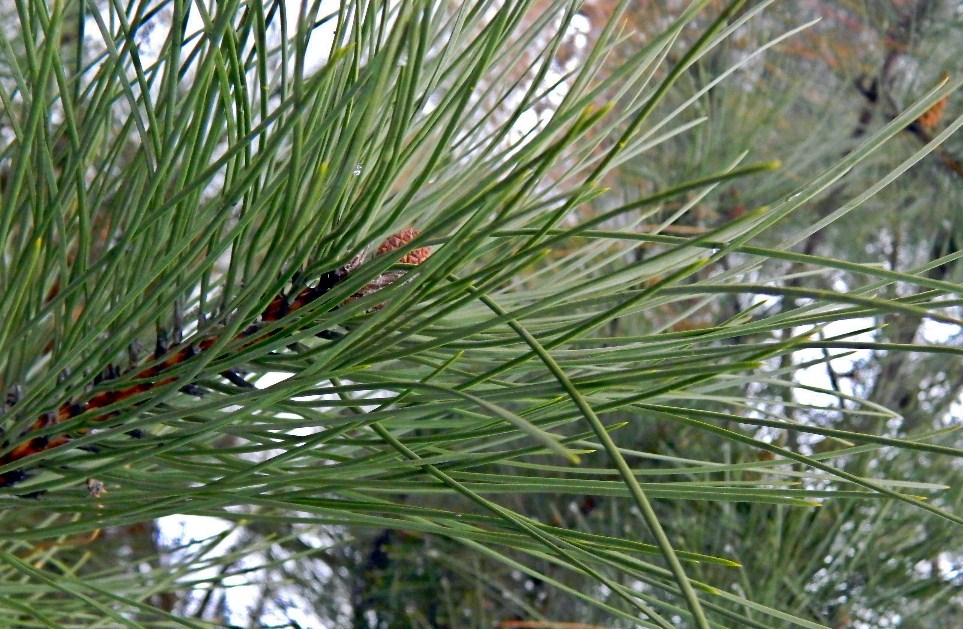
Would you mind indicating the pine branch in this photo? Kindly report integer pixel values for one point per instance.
(165, 359)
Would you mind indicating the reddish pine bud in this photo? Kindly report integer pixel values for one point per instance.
(401, 239)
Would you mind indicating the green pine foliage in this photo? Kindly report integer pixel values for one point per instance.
(649, 376)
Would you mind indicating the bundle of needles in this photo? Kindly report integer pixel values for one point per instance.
(157, 374)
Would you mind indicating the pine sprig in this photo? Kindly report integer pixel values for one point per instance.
(155, 374)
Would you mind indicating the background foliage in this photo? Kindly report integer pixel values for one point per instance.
(646, 378)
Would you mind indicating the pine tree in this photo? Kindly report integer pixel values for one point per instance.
(474, 314)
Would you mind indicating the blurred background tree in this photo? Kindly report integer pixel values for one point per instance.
(808, 103)
(581, 163)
